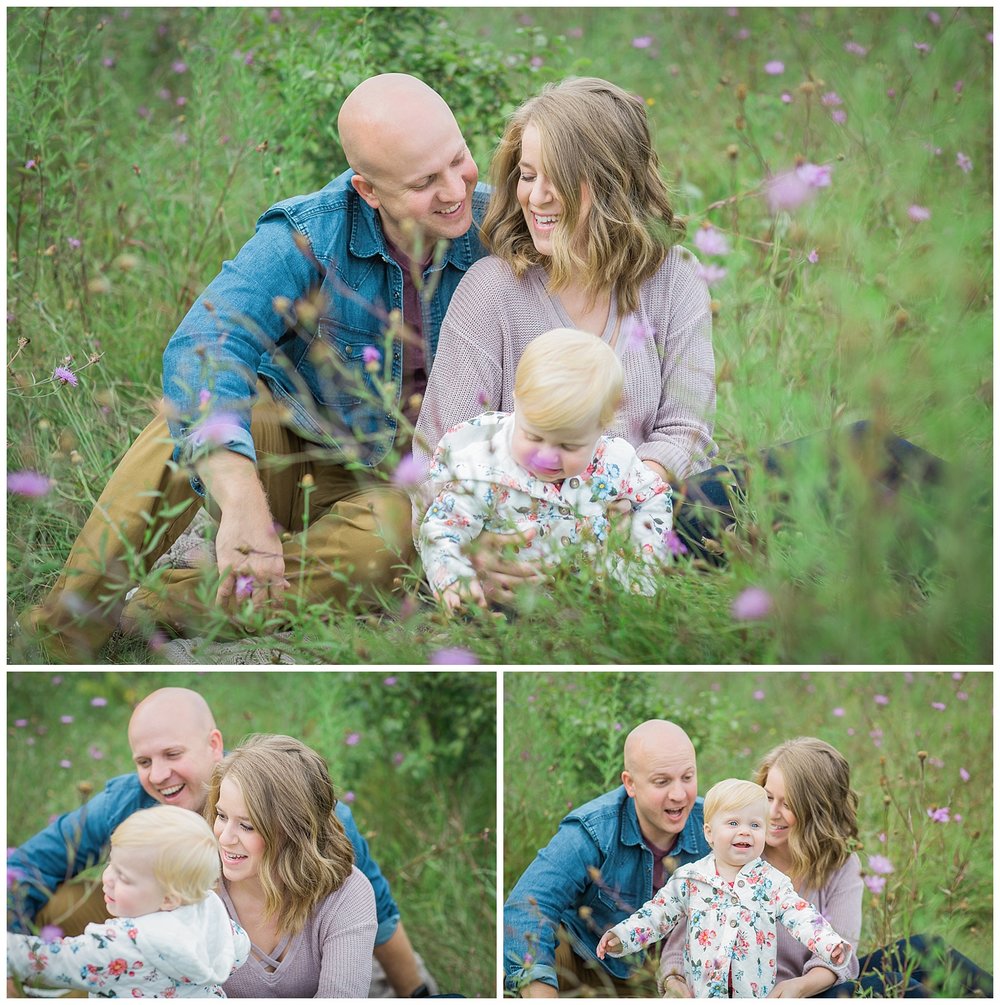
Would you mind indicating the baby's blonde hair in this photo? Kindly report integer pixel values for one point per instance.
(733, 794)
(568, 379)
(185, 852)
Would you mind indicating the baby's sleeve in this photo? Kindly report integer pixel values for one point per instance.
(809, 927)
(654, 920)
(85, 962)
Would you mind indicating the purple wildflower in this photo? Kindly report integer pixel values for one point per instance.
(108, 62)
(371, 356)
(939, 705)
(759, 695)
(636, 333)
(274, 15)
(786, 97)
(959, 86)
(673, 542)
(143, 112)
(65, 719)
(98, 702)
(409, 472)
(30, 484)
(875, 883)
(218, 430)
(880, 865)
(934, 17)
(390, 681)
(20, 723)
(918, 213)
(813, 256)
(963, 774)
(453, 656)
(642, 42)
(922, 47)
(839, 712)
(710, 241)
(66, 376)
(791, 189)
(831, 99)
(397, 759)
(574, 32)
(74, 242)
(96, 753)
(855, 49)
(536, 62)
(775, 67)
(753, 604)
(348, 796)
(65, 764)
(940, 815)
(710, 273)
(743, 34)
(881, 699)
(352, 739)
(29, 165)
(50, 933)
(179, 66)
(244, 587)
(963, 162)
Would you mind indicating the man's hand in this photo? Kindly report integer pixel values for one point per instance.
(609, 942)
(500, 576)
(248, 550)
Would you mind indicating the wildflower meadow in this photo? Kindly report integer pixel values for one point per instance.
(414, 754)
(834, 170)
(920, 746)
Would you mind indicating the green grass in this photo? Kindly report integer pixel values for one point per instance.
(563, 746)
(430, 820)
(893, 323)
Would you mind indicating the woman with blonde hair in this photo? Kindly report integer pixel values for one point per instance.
(288, 876)
(582, 235)
(812, 831)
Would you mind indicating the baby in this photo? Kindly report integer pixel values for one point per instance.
(169, 935)
(731, 899)
(544, 466)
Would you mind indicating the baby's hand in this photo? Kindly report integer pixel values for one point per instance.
(840, 953)
(609, 941)
(457, 594)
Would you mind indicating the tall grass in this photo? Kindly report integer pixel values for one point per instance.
(154, 138)
(423, 791)
(917, 743)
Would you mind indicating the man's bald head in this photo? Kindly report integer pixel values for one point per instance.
(175, 745)
(384, 119)
(653, 737)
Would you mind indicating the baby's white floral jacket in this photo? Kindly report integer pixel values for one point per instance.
(185, 953)
(480, 487)
(731, 931)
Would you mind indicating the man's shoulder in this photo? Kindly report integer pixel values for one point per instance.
(333, 199)
(604, 807)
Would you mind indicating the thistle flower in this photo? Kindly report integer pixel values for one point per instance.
(918, 213)
(963, 162)
(940, 815)
(409, 472)
(352, 739)
(855, 49)
(453, 656)
(29, 484)
(642, 42)
(774, 68)
(875, 883)
(710, 241)
(673, 542)
(880, 865)
(813, 256)
(244, 587)
(65, 376)
(710, 273)
(753, 604)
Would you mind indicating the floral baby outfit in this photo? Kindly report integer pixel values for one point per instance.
(185, 953)
(731, 931)
(480, 487)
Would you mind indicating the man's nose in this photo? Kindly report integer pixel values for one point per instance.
(455, 191)
(159, 771)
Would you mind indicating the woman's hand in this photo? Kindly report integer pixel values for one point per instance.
(796, 987)
(675, 986)
(500, 576)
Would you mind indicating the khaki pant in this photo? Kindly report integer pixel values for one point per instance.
(357, 537)
(579, 978)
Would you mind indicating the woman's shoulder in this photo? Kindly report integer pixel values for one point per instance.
(355, 892)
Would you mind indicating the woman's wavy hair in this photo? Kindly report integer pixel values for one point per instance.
(818, 792)
(595, 134)
(290, 800)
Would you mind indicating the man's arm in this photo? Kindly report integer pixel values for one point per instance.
(553, 884)
(73, 842)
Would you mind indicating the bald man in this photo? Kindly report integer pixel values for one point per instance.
(175, 744)
(283, 386)
(607, 859)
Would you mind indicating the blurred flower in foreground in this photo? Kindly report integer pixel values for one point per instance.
(50, 933)
(710, 241)
(30, 484)
(217, 430)
(636, 333)
(244, 587)
(409, 472)
(674, 544)
(875, 883)
(880, 865)
(710, 273)
(348, 796)
(813, 256)
(791, 189)
(753, 604)
(774, 67)
(66, 376)
(918, 213)
(642, 42)
(453, 656)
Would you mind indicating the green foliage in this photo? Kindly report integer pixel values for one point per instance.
(915, 742)
(892, 323)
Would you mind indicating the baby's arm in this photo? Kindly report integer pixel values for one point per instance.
(85, 962)
(652, 922)
(653, 512)
(809, 927)
(453, 520)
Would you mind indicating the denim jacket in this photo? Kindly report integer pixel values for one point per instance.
(593, 874)
(81, 838)
(298, 306)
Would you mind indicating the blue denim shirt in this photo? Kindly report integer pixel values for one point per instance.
(81, 838)
(325, 254)
(561, 887)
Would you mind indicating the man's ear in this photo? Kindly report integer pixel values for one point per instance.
(365, 189)
(628, 783)
(216, 744)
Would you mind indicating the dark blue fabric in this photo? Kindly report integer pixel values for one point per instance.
(929, 967)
